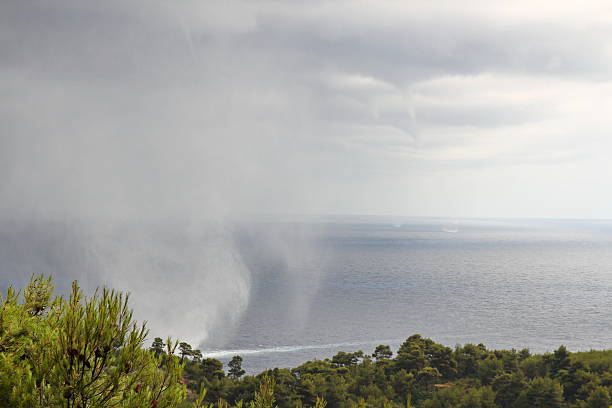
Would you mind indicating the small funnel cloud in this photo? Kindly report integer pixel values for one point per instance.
(187, 281)
(135, 136)
(127, 155)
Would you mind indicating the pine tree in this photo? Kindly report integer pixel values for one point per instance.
(157, 347)
(185, 350)
(235, 367)
(382, 352)
(80, 353)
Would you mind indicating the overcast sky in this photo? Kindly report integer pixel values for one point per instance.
(138, 108)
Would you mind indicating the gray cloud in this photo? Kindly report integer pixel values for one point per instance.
(140, 113)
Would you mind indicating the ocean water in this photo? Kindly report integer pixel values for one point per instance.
(506, 283)
(350, 283)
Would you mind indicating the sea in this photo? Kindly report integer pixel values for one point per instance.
(319, 286)
(506, 283)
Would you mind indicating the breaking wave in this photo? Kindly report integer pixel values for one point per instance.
(289, 349)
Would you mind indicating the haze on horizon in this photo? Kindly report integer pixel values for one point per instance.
(115, 113)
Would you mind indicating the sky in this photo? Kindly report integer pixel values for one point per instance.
(155, 109)
(133, 133)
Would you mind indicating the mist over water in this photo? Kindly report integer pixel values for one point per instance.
(191, 281)
(161, 148)
(129, 166)
(187, 281)
(506, 283)
(280, 293)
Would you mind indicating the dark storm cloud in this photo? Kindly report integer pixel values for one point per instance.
(86, 82)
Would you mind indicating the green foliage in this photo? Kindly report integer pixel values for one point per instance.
(445, 398)
(264, 397)
(199, 401)
(382, 352)
(508, 387)
(599, 398)
(542, 393)
(185, 350)
(343, 359)
(425, 374)
(212, 369)
(235, 367)
(320, 403)
(560, 361)
(597, 361)
(536, 366)
(157, 347)
(79, 353)
(88, 353)
(196, 355)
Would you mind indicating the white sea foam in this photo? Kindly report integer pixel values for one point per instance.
(289, 349)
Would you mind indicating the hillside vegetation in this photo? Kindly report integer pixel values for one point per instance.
(89, 353)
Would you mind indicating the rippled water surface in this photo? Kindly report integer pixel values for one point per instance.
(535, 284)
(310, 289)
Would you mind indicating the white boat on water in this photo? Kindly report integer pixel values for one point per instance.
(452, 228)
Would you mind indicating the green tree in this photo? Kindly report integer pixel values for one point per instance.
(411, 354)
(441, 358)
(427, 377)
(536, 366)
(574, 379)
(235, 367)
(264, 397)
(382, 352)
(403, 383)
(488, 368)
(542, 393)
(343, 359)
(82, 352)
(157, 347)
(599, 398)
(524, 354)
(467, 358)
(185, 350)
(445, 398)
(212, 369)
(560, 361)
(196, 355)
(483, 397)
(507, 388)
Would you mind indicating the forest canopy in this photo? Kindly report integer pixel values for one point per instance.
(82, 352)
